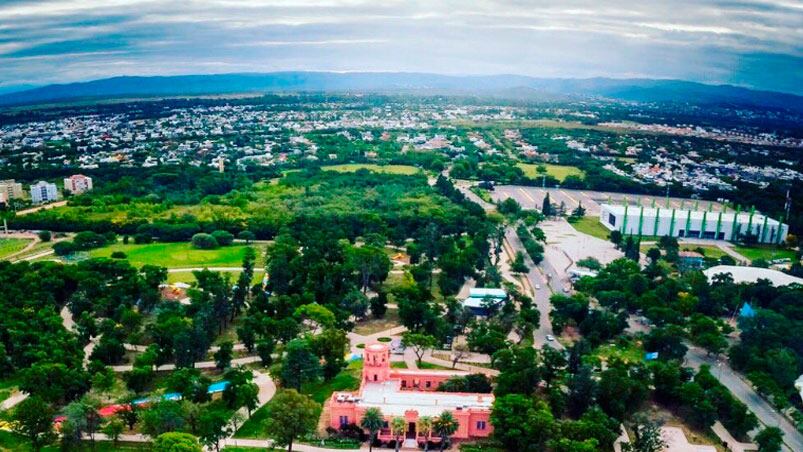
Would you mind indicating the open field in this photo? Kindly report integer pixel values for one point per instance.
(559, 172)
(592, 227)
(11, 246)
(188, 277)
(389, 169)
(767, 252)
(177, 255)
(372, 325)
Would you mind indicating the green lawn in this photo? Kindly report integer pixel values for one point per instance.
(13, 442)
(11, 246)
(398, 365)
(592, 226)
(390, 169)
(188, 277)
(767, 252)
(177, 255)
(430, 366)
(559, 172)
(709, 251)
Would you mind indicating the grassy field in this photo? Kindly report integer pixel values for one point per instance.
(177, 255)
(559, 172)
(13, 442)
(767, 252)
(709, 251)
(188, 277)
(11, 246)
(389, 169)
(592, 227)
(430, 366)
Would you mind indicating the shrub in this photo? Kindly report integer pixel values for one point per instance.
(246, 236)
(224, 238)
(143, 238)
(45, 236)
(204, 241)
(118, 255)
(63, 248)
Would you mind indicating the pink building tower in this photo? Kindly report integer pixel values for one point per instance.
(409, 394)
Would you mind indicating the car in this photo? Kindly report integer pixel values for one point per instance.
(538, 287)
(550, 337)
(565, 290)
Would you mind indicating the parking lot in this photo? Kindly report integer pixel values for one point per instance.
(532, 197)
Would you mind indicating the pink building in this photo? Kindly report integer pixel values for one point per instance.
(409, 394)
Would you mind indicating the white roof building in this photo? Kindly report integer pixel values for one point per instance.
(753, 274)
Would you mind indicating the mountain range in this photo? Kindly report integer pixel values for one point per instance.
(511, 86)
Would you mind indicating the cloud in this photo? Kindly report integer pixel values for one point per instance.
(719, 41)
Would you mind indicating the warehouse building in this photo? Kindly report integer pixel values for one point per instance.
(656, 221)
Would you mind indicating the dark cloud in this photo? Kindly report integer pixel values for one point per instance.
(752, 43)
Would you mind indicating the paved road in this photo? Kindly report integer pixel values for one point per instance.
(538, 286)
(742, 391)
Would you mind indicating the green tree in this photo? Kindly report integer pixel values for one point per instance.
(518, 265)
(176, 442)
(330, 346)
(420, 343)
(224, 355)
(289, 416)
(299, 365)
(423, 426)
(113, 429)
(519, 371)
(445, 425)
(246, 236)
(546, 207)
(33, 419)
(646, 437)
(204, 241)
(372, 420)
(223, 238)
(769, 439)
(398, 428)
(616, 237)
(45, 236)
(162, 417)
(213, 426)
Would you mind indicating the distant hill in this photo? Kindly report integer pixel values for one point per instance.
(530, 88)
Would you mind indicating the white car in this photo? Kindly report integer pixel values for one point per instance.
(538, 287)
(550, 337)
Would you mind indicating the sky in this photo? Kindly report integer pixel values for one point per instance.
(753, 43)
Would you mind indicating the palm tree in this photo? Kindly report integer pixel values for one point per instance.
(372, 421)
(424, 427)
(398, 427)
(445, 426)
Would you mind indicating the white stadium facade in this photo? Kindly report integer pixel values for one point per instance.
(700, 224)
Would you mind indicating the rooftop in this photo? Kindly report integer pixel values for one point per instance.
(753, 274)
(394, 402)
